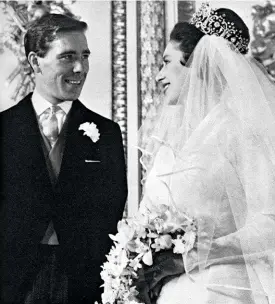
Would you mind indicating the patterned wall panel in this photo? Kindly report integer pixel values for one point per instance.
(119, 67)
(119, 70)
(263, 44)
(186, 10)
(151, 41)
(151, 25)
(151, 33)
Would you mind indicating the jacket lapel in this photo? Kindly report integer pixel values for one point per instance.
(29, 172)
(29, 137)
(78, 148)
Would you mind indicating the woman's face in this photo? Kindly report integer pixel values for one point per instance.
(172, 72)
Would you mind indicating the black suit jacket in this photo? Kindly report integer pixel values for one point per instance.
(85, 204)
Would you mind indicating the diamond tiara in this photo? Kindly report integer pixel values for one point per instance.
(209, 22)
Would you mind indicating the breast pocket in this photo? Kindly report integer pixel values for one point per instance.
(92, 165)
(92, 161)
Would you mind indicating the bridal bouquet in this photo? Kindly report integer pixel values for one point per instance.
(135, 244)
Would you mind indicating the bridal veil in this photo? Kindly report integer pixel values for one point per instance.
(218, 81)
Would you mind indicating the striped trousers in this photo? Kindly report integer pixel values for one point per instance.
(50, 285)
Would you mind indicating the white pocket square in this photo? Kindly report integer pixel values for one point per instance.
(91, 161)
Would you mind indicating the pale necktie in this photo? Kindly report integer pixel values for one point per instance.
(51, 122)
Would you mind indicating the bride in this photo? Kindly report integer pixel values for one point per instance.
(210, 151)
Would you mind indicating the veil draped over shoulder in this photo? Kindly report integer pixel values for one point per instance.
(227, 96)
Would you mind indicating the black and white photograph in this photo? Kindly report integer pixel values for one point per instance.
(137, 152)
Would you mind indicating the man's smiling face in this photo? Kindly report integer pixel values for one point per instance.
(63, 70)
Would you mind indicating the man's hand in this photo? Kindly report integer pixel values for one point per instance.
(166, 266)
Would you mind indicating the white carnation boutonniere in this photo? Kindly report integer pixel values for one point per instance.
(91, 130)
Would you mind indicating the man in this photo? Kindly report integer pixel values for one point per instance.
(64, 179)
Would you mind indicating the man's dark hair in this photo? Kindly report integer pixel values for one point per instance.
(188, 36)
(44, 30)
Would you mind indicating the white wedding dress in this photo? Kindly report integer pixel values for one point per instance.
(212, 155)
(207, 184)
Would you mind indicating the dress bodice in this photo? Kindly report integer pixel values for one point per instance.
(196, 181)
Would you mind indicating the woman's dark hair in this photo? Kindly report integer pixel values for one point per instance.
(188, 36)
(44, 30)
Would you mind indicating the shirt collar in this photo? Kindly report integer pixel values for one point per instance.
(40, 104)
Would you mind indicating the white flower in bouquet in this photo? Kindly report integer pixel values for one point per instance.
(135, 264)
(141, 246)
(148, 258)
(159, 224)
(184, 243)
(179, 244)
(162, 242)
(109, 296)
